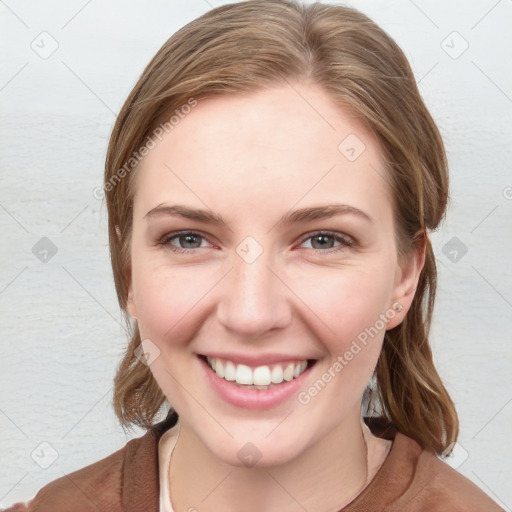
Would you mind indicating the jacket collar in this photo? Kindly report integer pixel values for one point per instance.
(140, 479)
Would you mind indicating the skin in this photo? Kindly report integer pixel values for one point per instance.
(252, 158)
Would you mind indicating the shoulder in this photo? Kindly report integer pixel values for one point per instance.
(126, 480)
(92, 488)
(83, 488)
(436, 486)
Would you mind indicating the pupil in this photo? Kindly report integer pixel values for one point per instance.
(189, 239)
(322, 237)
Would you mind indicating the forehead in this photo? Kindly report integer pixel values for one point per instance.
(269, 148)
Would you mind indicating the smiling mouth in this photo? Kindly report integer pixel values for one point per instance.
(261, 377)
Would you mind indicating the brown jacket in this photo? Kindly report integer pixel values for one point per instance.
(410, 480)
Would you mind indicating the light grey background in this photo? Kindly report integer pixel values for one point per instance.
(61, 331)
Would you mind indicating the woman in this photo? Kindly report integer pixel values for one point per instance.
(271, 183)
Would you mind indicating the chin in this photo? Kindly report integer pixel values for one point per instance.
(248, 454)
(256, 443)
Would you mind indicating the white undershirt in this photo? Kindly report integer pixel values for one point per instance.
(166, 446)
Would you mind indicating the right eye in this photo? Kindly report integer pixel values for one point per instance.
(188, 241)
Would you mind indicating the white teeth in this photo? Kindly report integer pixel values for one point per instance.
(229, 370)
(261, 377)
(288, 372)
(277, 374)
(299, 368)
(219, 368)
(244, 375)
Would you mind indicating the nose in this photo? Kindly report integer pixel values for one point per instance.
(254, 299)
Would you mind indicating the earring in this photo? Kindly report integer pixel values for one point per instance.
(398, 307)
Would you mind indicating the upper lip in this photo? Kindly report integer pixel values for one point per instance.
(256, 360)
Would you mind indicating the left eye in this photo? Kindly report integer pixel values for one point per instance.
(326, 240)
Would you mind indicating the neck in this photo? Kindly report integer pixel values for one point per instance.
(325, 477)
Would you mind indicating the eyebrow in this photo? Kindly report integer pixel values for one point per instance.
(300, 215)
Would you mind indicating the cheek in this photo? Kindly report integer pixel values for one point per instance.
(352, 310)
(158, 307)
(346, 302)
(168, 300)
(350, 306)
(168, 303)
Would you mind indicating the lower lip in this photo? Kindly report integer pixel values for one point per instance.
(256, 399)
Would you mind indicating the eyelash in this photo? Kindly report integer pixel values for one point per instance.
(344, 240)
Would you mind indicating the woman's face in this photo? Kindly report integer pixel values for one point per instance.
(237, 257)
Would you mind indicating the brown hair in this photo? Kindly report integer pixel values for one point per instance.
(255, 44)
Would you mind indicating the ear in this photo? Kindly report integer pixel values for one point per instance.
(130, 304)
(406, 280)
